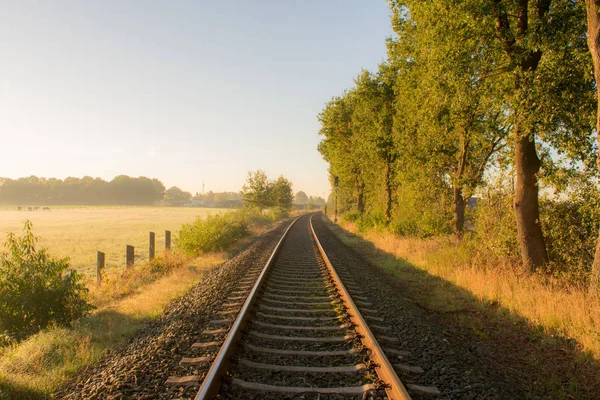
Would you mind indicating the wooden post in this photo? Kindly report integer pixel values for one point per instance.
(99, 267)
(151, 247)
(130, 256)
(167, 240)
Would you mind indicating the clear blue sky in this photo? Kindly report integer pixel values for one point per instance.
(183, 91)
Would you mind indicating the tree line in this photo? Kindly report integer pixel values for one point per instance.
(491, 103)
(122, 190)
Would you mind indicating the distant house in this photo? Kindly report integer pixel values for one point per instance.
(472, 202)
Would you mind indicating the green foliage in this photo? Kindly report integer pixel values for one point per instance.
(175, 195)
(571, 227)
(277, 213)
(37, 290)
(261, 193)
(495, 229)
(219, 232)
(463, 82)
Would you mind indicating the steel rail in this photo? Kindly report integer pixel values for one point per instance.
(384, 369)
(212, 382)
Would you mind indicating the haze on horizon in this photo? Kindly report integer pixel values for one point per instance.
(183, 91)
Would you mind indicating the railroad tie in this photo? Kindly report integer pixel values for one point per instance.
(329, 339)
(352, 390)
(428, 390)
(381, 328)
(279, 296)
(302, 328)
(194, 360)
(372, 318)
(301, 303)
(310, 319)
(190, 380)
(296, 310)
(409, 368)
(227, 312)
(199, 345)
(304, 353)
(349, 369)
(394, 352)
(220, 321)
(232, 304)
(214, 331)
(389, 339)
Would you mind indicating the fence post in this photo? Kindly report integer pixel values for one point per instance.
(99, 267)
(167, 240)
(151, 247)
(130, 256)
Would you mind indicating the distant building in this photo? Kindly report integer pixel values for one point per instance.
(472, 202)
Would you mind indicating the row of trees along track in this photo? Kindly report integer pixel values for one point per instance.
(469, 91)
(297, 331)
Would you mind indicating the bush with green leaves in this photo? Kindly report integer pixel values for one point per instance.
(217, 232)
(571, 229)
(495, 226)
(37, 290)
(220, 232)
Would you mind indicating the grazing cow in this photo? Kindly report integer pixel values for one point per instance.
(46, 209)
(30, 209)
(19, 208)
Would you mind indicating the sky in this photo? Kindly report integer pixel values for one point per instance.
(183, 91)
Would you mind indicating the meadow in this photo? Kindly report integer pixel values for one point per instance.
(79, 232)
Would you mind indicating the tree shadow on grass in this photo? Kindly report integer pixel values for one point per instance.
(543, 364)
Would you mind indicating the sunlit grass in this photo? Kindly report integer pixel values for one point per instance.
(79, 232)
(553, 306)
(39, 365)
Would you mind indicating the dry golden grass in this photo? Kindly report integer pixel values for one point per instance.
(37, 366)
(79, 232)
(557, 308)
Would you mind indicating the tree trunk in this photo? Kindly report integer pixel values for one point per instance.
(388, 193)
(531, 239)
(593, 37)
(459, 211)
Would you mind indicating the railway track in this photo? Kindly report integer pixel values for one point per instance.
(293, 330)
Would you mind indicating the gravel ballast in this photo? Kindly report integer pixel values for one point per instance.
(448, 363)
(139, 368)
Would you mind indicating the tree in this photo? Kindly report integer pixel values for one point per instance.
(257, 191)
(300, 198)
(282, 193)
(341, 147)
(543, 66)
(593, 40)
(174, 195)
(452, 104)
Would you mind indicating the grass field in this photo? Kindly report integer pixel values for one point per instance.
(79, 232)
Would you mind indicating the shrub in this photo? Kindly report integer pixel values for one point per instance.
(215, 233)
(277, 213)
(37, 290)
(496, 227)
(570, 229)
